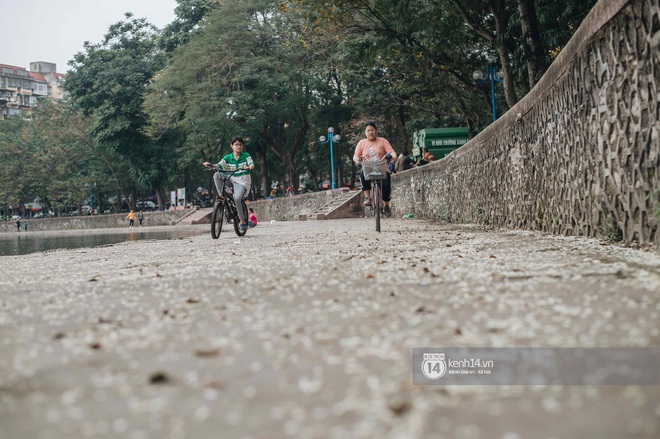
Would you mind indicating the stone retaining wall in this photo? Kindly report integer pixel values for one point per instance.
(290, 208)
(279, 209)
(94, 222)
(579, 155)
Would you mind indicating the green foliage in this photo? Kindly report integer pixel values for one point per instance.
(248, 71)
(189, 14)
(414, 59)
(558, 20)
(479, 211)
(610, 230)
(51, 157)
(109, 82)
(14, 155)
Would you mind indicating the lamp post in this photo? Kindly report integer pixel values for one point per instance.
(493, 76)
(332, 139)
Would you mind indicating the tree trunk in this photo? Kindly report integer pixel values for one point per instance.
(159, 198)
(133, 200)
(265, 177)
(509, 90)
(501, 20)
(292, 174)
(532, 44)
(353, 174)
(403, 133)
(311, 171)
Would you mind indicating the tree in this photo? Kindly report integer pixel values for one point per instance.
(411, 61)
(537, 33)
(422, 52)
(559, 19)
(491, 25)
(247, 71)
(108, 82)
(68, 160)
(189, 14)
(15, 157)
(51, 157)
(533, 48)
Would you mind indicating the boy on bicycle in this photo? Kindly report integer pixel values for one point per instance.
(374, 148)
(241, 180)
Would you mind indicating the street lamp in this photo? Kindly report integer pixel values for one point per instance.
(494, 77)
(332, 138)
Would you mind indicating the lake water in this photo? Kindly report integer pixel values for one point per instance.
(33, 242)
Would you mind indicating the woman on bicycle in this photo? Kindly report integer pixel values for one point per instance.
(240, 180)
(375, 148)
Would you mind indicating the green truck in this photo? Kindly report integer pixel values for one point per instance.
(439, 141)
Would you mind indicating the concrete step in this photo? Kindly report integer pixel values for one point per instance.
(198, 216)
(339, 207)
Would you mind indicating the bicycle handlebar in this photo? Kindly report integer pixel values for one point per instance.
(227, 171)
(387, 157)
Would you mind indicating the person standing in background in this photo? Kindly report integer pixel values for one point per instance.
(426, 158)
(131, 219)
(403, 162)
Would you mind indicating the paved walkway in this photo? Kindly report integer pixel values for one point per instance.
(304, 330)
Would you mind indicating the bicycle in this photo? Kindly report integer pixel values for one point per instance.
(375, 172)
(224, 203)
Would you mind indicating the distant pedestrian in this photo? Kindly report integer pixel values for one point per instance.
(131, 219)
(25, 225)
(18, 225)
(403, 162)
(140, 217)
(426, 158)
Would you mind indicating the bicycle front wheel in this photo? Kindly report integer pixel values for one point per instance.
(237, 226)
(377, 204)
(216, 219)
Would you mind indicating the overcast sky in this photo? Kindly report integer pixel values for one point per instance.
(54, 30)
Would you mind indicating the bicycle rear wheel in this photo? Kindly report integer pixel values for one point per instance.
(237, 227)
(216, 219)
(377, 205)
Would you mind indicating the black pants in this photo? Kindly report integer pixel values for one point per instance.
(387, 188)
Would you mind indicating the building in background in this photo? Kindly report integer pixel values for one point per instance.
(20, 89)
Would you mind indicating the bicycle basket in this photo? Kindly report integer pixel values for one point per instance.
(375, 170)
